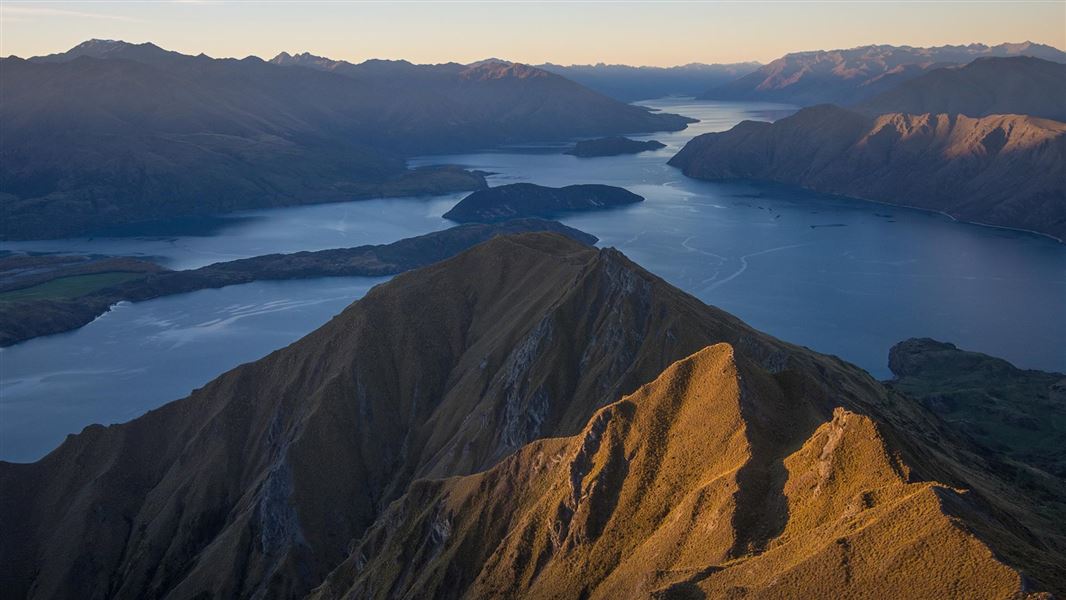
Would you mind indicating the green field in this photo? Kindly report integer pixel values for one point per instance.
(68, 287)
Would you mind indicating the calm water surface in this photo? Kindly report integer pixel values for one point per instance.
(841, 276)
(139, 356)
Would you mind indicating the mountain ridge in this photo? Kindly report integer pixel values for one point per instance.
(995, 170)
(450, 370)
(632, 83)
(848, 76)
(144, 134)
(646, 485)
(1020, 85)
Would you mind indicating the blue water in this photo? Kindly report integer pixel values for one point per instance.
(140, 356)
(841, 276)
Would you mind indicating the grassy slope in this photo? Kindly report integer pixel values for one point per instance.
(69, 287)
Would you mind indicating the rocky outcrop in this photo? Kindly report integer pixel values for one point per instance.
(530, 200)
(998, 170)
(23, 319)
(373, 458)
(612, 146)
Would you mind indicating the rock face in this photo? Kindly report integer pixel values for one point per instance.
(530, 200)
(1019, 85)
(21, 320)
(999, 170)
(111, 133)
(855, 74)
(1018, 412)
(612, 146)
(479, 428)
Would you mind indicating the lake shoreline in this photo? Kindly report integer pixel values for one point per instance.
(27, 319)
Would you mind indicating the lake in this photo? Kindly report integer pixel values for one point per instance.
(841, 276)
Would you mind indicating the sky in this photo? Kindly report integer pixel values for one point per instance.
(652, 32)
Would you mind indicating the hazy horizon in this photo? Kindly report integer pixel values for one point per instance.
(670, 33)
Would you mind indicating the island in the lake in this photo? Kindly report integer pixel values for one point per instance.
(530, 200)
(61, 293)
(612, 146)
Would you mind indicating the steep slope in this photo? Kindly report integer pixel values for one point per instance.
(629, 83)
(1019, 85)
(258, 481)
(718, 477)
(111, 133)
(1001, 170)
(264, 481)
(427, 108)
(90, 143)
(851, 75)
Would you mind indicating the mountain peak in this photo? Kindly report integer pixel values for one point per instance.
(498, 69)
(146, 52)
(527, 418)
(102, 45)
(306, 59)
(489, 61)
(667, 493)
(847, 76)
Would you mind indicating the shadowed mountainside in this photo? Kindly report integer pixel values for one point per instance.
(111, 133)
(759, 465)
(851, 75)
(446, 107)
(1020, 413)
(1003, 170)
(26, 318)
(716, 477)
(531, 200)
(1018, 85)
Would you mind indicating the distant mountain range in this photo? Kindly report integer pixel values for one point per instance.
(111, 133)
(535, 418)
(999, 170)
(850, 76)
(987, 86)
(435, 108)
(629, 84)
